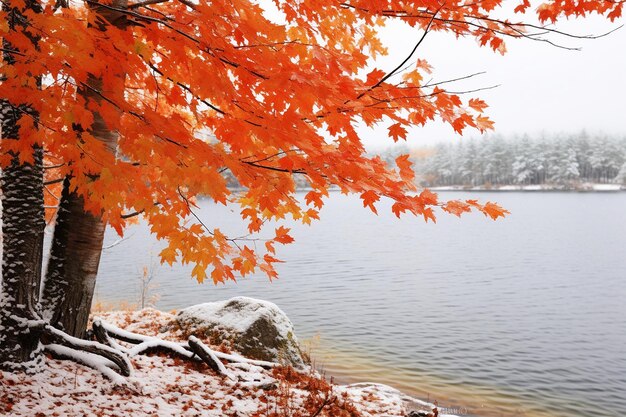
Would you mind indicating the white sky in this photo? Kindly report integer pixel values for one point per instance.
(542, 88)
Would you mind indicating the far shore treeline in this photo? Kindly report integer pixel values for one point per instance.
(562, 161)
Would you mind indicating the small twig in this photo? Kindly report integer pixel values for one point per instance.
(389, 75)
(328, 400)
(133, 214)
(188, 203)
(12, 51)
(429, 84)
(54, 181)
(136, 213)
(53, 166)
(146, 3)
(117, 242)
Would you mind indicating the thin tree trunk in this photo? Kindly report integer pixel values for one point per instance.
(23, 230)
(73, 265)
(78, 235)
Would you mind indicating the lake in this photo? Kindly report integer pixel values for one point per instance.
(524, 316)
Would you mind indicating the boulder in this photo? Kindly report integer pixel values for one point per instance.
(255, 328)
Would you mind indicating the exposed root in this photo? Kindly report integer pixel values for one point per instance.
(95, 361)
(120, 334)
(112, 358)
(207, 356)
(142, 343)
(103, 337)
(118, 359)
(145, 343)
(240, 359)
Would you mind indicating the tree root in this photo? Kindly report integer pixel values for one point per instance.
(58, 337)
(112, 359)
(154, 343)
(207, 355)
(240, 359)
(142, 343)
(103, 337)
(92, 360)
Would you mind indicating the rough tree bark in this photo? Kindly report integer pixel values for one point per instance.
(23, 230)
(73, 265)
(78, 235)
(22, 227)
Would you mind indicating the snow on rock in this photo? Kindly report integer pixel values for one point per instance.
(257, 329)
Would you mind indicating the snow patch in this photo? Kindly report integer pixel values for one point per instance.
(606, 187)
(239, 319)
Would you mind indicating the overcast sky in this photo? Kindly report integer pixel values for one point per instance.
(542, 88)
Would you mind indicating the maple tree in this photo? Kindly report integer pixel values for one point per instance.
(120, 95)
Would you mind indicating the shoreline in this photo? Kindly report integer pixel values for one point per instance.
(592, 188)
(164, 385)
(581, 188)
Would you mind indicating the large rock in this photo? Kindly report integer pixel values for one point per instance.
(255, 328)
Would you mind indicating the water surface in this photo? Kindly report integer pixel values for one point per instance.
(520, 317)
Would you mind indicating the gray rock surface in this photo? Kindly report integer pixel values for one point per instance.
(255, 328)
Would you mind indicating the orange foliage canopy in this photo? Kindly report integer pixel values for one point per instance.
(280, 93)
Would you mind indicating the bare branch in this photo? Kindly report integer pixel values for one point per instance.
(390, 74)
(117, 242)
(54, 181)
(186, 88)
(53, 166)
(146, 3)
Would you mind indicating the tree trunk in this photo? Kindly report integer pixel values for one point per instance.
(23, 230)
(78, 235)
(73, 265)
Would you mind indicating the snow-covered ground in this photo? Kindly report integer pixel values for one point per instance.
(606, 187)
(161, 385)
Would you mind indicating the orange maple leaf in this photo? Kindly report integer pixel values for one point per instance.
(397, 131)
(370, 197)
(282, 235)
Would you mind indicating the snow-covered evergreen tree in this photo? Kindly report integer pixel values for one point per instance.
(620, 178)
(522, 168)
(562, 161)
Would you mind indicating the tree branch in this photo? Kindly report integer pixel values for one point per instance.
(419, 42)
(54, 181)
(146, 3)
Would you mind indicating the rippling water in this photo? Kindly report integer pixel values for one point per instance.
(520, 317)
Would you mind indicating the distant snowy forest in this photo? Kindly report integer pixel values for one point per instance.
(565, 161)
